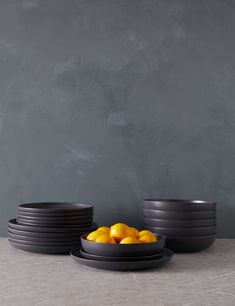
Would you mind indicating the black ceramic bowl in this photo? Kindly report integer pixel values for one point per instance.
(194, 231)
(181, 215)
(190, 244)
(118, 250)
(178, 205)
(179, 223)
(55, 207)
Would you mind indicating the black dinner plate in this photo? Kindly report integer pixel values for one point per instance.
(121, 258)
(44, 239)
(64, 249)
(14, 224)
(54, 224)
(184, 231)
(179, 223)
(182, 215)
(58, 235)
(178, 205)
(55, 218)
(44, 243)
(55, 207)
(122, 265)
(54, 214)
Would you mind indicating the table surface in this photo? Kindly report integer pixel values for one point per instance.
(196, 279)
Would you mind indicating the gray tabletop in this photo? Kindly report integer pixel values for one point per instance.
(197, 279)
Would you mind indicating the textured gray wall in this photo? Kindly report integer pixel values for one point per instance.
(109, 102)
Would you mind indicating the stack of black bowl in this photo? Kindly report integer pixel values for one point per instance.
(188, 225)
(50, 228)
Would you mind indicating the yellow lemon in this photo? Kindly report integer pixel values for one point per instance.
(119, 231)
(104, 229)
(145, 232)
(147, 238)
(129, 240)
(93, 236)
(103, 238)
(133, 232)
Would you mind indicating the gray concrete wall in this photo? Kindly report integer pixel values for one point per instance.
(110, 101)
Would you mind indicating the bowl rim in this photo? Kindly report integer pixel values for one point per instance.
(32, 206)
(83, 238)
(190, 201)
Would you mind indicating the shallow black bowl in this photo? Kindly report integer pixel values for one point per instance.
(179, 223)
(121, 258)
(55, 207)
(117, 250)
(174, 231)
(178, 205)
(182, 215)
(122, 265)
(64, 249)
(14, 224)
(190, 244)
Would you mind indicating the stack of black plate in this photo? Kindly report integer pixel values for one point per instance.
(50, 228)
(188, 225)
(122, 256)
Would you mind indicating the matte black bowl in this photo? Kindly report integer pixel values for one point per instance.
(117, 250)
(178, 205)
(174, 231)
(55, 214)
(55, 207)
(179, 223)
(190, 244)
(181, 215)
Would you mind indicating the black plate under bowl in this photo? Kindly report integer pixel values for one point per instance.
(63, 219)
(174, 231)
(112, 258)
(64, 249)
(54, 224)
(58, 235)
(179, 223)
(41, 240)
(122, 265)
(178, 205)
(181, 215)
(45, 243)
(118, 250)
(190, 244)
(14, 224)
(55, 207)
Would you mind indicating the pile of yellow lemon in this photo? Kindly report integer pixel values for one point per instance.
(121, 233)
